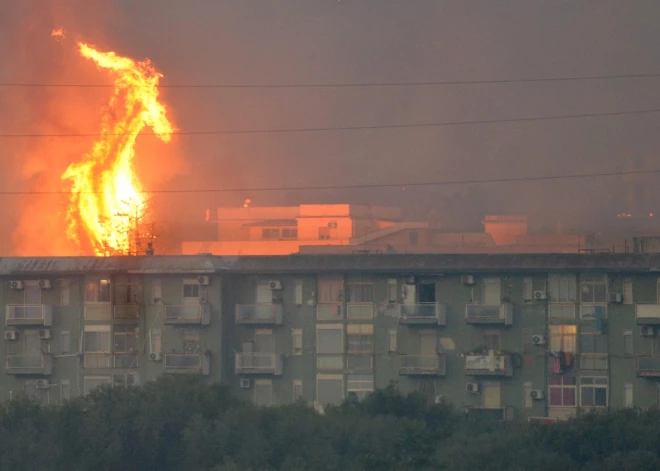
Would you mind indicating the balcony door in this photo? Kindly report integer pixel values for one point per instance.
(32, 345)
(264, 294)
(492, 396)
(263, 341)
(426, 293)
(427, 343)
(32, 292)
(492, 292)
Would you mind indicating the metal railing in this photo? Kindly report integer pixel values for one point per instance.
(186, 313)
(423, 364)
(183, 361)
(423, 313)
(648, 366)
(28, 364)
(259, 313)
(126, 311)
(488, 365)
(29, 314)
(97, 360)
(259, 363)
(489, 313)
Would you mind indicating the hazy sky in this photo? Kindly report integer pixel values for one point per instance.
(330, 41)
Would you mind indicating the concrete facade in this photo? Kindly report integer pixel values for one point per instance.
(516, 336)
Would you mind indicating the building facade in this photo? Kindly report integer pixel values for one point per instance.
(514, 336)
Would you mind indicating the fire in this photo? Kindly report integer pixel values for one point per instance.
(57, 33)
(107, 202)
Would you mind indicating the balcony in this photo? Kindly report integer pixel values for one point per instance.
(187, 363)
(501, 314)
(417, 365)
(648, 367)
(329, 312)
(259, 363)
(126, 361)
(263, 314)
(29, 365)
(126, 311)
(97, 360)
(423, 314)
(29, 314)
(182, 314)
(98, 311)
(488, 365)
(647, 314)
(358, 311)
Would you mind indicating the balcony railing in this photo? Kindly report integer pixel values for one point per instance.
(501, 314)
(423, 314)
(488, 365)
(329, 312)
(29, 365)
(188, 314)
(126, 360)
(126, 311)
(264, 314)
(29, 314)
(259, 363)
(187, 362)
(97, 360)
(433, 365)
(647, 314)
(359, 311)
(98, 311)
(648, 367)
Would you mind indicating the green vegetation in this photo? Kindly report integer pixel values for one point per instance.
(186, 424)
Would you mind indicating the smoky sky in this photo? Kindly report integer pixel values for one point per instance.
(329, 41)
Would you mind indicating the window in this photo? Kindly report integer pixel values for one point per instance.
(563, 338)
(298, 292)
(593, 289)
(359, 386)
(331, 290)
(592, 342)
(593, 391)
(528, 345)
(126, 380)
(627, 290)
(65, 292)
(263, 392)
(97, 291)
(561, 288)
(297, 390)
(330, 346)
(527, 395)
(157, 293)
(128, 293)
(329, 389)
(360, 338)
(270, 233)
(65, 341)
(65, 391)
(528, 289)
(413, 238)
(628, 395)
(491, 340)
(324, 233)
(562, 391)
(96, 339)
(593, 311)
(190, 289)
(360, 292)
(628, 349)
(593, 362)
(191, 342)
(297, 341)
(561, 311)
(92, 382)
(289, 233)
(125, 339)
(392, 340)
(392, 293)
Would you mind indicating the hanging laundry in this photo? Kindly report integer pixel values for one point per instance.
(556, 366)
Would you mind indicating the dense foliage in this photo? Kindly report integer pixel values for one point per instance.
(186, 424)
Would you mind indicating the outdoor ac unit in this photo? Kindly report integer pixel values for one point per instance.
(15, 284)
(468, 280)
(45, 284)
(538, 339)
(540, 295)
(648, 331)
(11, 335)
(155, 356)
(44, 334)
(537, 394)
(472, 387)
(203, 280)
(42, 384)
(274, 284)
(246, 383)
(616, 298)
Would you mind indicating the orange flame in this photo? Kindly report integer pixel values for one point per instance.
(107, 201)
(57, 33)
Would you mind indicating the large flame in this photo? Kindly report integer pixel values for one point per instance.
(107, 202)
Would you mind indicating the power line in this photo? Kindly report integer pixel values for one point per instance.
(350, 84)
(362, 128)
(366, 185)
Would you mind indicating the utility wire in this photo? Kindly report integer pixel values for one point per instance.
(365, 185)
(361, 128)
(350, 84)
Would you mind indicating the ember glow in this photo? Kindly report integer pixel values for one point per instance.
(57, 33)
(108, 203)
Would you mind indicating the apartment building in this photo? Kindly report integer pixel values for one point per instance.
(514, 336)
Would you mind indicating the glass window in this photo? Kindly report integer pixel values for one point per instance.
(628, 349)
(97, 291)
(528, 289)
(593, 391)
(289, 233)
(190, 290)
(563, 338)
(329, 390)
(392, 340)
(297, 390)
(359, 386)
(627, 290)
(361, 292)
(593, 289)
(491, 340)
(65, 339)
(128, 294)
(562, 391)
(297, 341)
(593, 311)
(331, 290)
(360, 343)
(562, 288)
(270, 233)
(125, 339)
(593, 362)
(97, 339)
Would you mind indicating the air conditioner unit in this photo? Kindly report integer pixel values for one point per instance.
(540, 295)
(42, 384)
(275, 285)
(246, 383)
(472, 387)
(648, 331)
(45, 284)
(203, 280)
(468, 280)
(15, 284)
(155, 356)
(537, 394)
(538, 339)
(44, 334)
(616, 298)
(11, 335)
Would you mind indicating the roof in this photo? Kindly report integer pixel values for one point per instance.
(345, 263)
